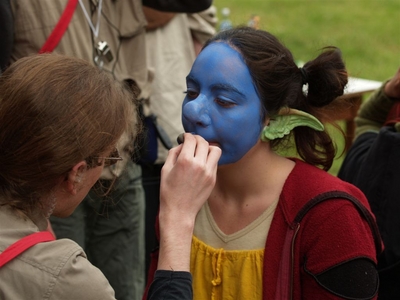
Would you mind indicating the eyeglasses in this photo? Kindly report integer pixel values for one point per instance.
(110, 160)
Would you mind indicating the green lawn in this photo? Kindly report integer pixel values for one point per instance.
(367, 32)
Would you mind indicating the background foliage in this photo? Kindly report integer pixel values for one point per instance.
(367, 31)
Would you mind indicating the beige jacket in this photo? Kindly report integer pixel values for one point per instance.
(51, 270)
(121, 26)
(170, 55)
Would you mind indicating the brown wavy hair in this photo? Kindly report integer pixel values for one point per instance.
(55, 111)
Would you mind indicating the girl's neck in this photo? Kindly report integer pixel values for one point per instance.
(259, 172)
(244, 190)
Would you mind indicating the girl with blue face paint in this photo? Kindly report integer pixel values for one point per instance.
(222, 105)
(245, 95)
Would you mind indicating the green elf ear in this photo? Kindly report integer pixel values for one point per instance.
(286, 120)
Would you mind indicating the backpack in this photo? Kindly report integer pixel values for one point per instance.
(373, 165)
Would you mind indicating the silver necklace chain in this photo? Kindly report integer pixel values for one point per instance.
(95, 30)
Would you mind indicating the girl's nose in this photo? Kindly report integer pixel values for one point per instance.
(197, 112)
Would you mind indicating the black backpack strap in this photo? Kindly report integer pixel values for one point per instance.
(286, 268)
(343, 195)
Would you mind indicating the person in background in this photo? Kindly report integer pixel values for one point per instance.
(274, 227)
(6, 33)
(372, 164)
(172, 41)
(70, 118)
(254, 21)
(110, 223)
(225, 23)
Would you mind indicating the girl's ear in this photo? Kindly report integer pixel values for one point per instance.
(74, 177)
(266, 121)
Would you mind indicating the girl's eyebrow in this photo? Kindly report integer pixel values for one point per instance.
(218, 86)
(191, 78)
(228, 88)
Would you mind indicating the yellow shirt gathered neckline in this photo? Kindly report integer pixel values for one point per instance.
(228, 266)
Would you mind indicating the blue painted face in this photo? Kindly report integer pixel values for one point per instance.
(222, 104)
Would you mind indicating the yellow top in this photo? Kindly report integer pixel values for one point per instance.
(228, 266)
(227, 275)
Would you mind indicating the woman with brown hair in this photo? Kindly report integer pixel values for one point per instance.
(60, 121)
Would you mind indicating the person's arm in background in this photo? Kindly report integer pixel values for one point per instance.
(187, 179)
(392, 88)
(202, 27)
(6, 33)
(373, 113)
(156, 18)
(370, 119)
(183, 6)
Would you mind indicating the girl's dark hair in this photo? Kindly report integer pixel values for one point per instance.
(279, 82)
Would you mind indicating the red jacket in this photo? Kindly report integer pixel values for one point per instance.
(331, 234)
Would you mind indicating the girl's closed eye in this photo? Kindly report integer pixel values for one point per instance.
(191, 94)
(224, 102)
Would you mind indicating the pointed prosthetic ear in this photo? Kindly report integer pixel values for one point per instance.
(287, 119)
(75, 177)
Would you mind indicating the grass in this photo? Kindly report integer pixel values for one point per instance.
(367, 32)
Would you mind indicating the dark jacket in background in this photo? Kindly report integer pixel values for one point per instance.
(6, 33)
(373, 165)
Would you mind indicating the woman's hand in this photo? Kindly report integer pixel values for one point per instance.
(187, 179)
